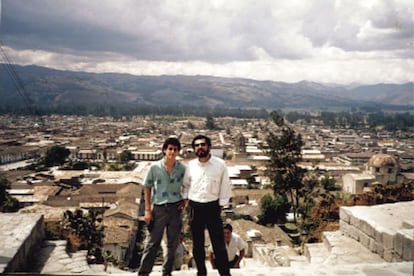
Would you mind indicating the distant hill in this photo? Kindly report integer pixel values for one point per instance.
(48, 88)
(385, 93)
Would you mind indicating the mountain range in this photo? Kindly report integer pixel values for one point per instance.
(44, 87)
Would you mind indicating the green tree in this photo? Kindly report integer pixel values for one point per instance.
(190, 125)
(328, 183)
(328, 118)
(80, 165)
(7, 202)
(84, 225)
(309, 192)
(125, 156)
(4, 185)
(210, 123)
(273, 209)
(56, 156)
(285, 153)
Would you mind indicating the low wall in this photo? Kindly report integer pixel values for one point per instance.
(20, 236)
(386, 229)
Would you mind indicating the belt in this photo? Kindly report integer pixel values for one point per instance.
(168, 204)
(204, 204)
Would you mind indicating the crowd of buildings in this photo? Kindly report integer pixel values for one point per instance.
(356, 160)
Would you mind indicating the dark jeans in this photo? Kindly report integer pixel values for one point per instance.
(165, 217)
(202, 216)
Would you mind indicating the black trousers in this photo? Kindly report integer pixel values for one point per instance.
(202, 216)
(231, 263)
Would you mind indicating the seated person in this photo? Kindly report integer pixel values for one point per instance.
(180, 253)
(235, 247)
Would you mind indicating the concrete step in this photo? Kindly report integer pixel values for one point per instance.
(60, 263)
(337, 248)
(345, 250)
(254, 269)
(316, 253)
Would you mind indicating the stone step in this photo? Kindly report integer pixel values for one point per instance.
(337, 248)
(345, 250)
(254, 269)
(57, 264)
(316, 253)
(386, 229)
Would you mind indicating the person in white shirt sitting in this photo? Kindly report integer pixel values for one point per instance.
(181, 253)
(235, 247)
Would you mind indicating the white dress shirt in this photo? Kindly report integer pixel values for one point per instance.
(207, 181)
(234, 247)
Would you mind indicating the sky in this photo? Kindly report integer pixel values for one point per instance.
(325, 41)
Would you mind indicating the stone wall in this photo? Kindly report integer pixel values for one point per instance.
(20, 236)
(386, 229)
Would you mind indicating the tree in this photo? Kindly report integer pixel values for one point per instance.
(125, 156)
(85, 226)
(80, 165)
(309, 192)
(4, 185)
(56, 156)
(190, 125)
(210, 124)
(328, 183)
(273, 209)
(7, 202)
(285, 152)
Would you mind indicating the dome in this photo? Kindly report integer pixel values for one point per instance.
(382, 160)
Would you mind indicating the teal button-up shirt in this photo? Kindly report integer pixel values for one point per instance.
(166, 188)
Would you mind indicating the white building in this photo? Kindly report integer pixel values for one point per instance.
(381, 168)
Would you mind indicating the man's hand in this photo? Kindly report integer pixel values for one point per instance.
(148, 217)
(181, 205)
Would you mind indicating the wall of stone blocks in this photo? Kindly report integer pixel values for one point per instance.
(29, 244)
(393, 244)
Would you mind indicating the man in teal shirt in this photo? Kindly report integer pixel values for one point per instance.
(163, 207)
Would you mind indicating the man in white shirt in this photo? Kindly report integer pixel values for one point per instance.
(207, 187)
(180, 252)
(235, 245)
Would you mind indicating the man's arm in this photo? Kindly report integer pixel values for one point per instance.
(186, 186)
(225, 187)
(241, 246)
(241, 255)
(147, 197)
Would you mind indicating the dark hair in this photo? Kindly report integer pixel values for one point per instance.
(200, 136)
(171, 141)
(228, 227)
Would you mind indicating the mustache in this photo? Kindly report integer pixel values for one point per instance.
(202, 153)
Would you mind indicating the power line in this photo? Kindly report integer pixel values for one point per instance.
(16, 80)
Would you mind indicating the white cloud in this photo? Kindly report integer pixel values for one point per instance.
(286, 40)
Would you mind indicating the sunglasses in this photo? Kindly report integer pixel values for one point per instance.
(200, 145)
(172, 149)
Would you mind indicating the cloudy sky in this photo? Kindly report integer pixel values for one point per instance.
(331, 41)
